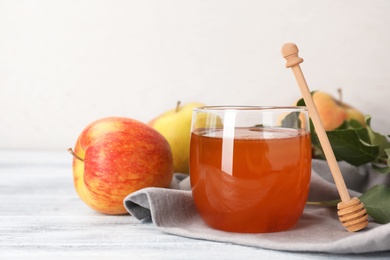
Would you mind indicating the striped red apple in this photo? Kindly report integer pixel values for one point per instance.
(116, 156)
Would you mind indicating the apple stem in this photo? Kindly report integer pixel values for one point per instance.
(178, 106)
(75, 155)
(340, 91)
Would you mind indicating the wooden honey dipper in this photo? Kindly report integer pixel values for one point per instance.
(351, 212)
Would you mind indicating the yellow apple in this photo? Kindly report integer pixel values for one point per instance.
(334, 112)
(175, 126)
(116, 156)
(353, 113)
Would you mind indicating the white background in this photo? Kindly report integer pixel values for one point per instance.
(64, 64)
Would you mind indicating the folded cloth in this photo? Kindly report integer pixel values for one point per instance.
(318, 230)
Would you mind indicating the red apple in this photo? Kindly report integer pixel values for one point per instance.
(116, 156)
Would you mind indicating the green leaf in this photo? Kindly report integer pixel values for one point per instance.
(382, 163)
(364, 135)
(292, 120)
(381, 169)
(354, 143)
(352, 123)
(379, 140)
(384, 167)
(301, 103)
(377, 201)
(348, 146)
(387, 152)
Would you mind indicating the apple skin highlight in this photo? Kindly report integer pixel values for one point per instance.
(120, 156)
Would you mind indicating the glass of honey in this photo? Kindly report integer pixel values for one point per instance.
(250, 167)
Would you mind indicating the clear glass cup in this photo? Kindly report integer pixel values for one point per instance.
(250, 167)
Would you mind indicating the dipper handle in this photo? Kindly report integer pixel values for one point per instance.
(290, 53)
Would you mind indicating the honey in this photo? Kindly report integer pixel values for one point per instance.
(260, 186)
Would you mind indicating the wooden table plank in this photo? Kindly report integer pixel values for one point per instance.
(41, 217)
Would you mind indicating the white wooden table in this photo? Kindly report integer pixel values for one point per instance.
(41, 217)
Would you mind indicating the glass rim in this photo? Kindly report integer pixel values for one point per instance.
(251, 108)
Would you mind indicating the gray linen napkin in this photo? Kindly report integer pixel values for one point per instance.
(318, 230)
